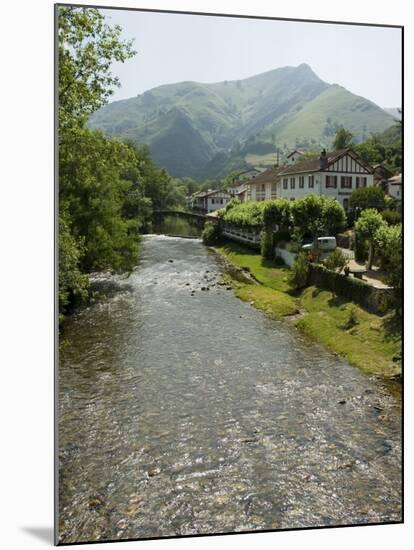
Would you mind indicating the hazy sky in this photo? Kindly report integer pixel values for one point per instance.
(174, 47)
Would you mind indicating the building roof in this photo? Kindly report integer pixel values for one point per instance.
(269, 175)
(293, 152)
(209, 193)
(395, 180)
(312, 164)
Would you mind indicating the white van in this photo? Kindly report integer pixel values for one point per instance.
(324, 244)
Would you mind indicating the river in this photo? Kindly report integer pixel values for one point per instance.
(187, 411)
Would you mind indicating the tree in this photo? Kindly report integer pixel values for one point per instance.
(367, 197)
(94, 172)
(343, 139)
(87, 46)
(367, 225)
(299, 273)
(317, 215)
(336, 260)
(388, 242)
(93, 186)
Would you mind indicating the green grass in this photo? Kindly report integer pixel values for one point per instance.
(274, 303)
(367, 343)
(265, 271)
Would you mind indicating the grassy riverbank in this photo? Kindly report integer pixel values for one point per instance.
(366, 342)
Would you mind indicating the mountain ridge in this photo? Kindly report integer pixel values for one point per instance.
(189, 124)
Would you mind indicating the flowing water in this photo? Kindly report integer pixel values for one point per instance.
(187, 411)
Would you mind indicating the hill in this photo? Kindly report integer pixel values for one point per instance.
(206, 130)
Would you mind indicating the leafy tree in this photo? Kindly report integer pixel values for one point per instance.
(343, 139)
(388, 242)
(73, 285)
(317, 215)
(367, 197)
(87, 46)
(93, 188)
(367, 225)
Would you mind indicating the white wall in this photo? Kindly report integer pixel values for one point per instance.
(320, 187)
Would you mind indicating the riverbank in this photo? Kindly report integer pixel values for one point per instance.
(362, 338)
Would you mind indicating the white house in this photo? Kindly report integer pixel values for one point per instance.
(238, 183)
(294, 156)
(334, 174)
(394, 187)
(208, 201)
(264, 186)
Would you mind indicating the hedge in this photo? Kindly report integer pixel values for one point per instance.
(373, 299)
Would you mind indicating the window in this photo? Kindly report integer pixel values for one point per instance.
(292, 183)
(311, 181)
(357, 180)
(212, 201)
(346, 182)
(263, 187)
(221, 201)
(331, 181)
(364, 182)
(273, 190)
(346, 204)
(285, 183)
(301, 182)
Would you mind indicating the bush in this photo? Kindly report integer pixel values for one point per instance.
(352, 317)
(349, 288)
(360, 248)
(281, 236)
(266, 245)
(299, 273)
(392, 217)
(211, 233)
(336, 261)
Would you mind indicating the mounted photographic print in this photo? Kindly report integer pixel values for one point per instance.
(229, 274)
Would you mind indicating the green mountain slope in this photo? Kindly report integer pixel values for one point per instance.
(205, 130)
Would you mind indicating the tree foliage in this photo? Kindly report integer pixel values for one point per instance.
(87, 46)
(299, 273)
(317, 215)
(388, 243)
(336, 260)
(367, 225)
(343, 139)
(367, 197)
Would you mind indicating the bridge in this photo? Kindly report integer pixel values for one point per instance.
(181, 213)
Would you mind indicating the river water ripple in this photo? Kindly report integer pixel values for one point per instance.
(186, 411)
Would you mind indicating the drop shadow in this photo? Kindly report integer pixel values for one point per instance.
(45, 534)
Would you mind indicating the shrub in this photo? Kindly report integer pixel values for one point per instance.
(352, 316)
(211, 233)
(299, 273)
(336, 260)
(266, 245)
(392, 217)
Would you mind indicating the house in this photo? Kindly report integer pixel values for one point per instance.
(335, 174)
(264, 186)
(239, 182)
(294, 156)
(381, 175)
(394, 187)
(208, 201)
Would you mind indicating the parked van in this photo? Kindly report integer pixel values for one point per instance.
(324, 244)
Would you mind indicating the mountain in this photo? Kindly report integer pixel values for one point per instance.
(207, 130)
(394, 111)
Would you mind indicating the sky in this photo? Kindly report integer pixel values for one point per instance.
(181, 47)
